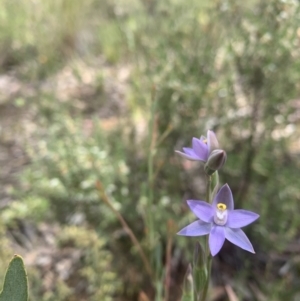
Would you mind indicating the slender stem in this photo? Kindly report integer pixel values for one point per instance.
(170, 227)
(126, 228)
(152, 144)
(205, 289)
(208, 189)
(208, 200)
(165, 134)
(207, 253)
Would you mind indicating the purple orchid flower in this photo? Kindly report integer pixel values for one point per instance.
(201, 148)
(220, 221)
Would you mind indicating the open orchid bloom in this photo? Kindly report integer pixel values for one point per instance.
(220, 221)
(201, 148)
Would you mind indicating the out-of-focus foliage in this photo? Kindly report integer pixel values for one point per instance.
(68, 161)
(230, 66)
(85, 267)
(95, 264)
(38, 37)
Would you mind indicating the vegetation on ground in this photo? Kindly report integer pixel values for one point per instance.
(103, 92)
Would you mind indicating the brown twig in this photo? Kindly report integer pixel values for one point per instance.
(133, 238)
(170, 227)
(165, 134)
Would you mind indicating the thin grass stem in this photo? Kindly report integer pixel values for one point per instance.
(133, 238)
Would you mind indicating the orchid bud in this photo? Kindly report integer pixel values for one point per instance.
(215, 161)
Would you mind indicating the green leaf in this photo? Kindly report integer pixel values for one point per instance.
(15, 286)
(199, 269)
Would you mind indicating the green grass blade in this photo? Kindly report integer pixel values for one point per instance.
(188, 286)
(199, 269)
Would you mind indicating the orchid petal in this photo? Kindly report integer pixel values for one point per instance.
(190, 155)
(224, 196)
(212, 141)
(189, 151)
(202, 210)
(240, 218)
(197, 228)
(239, 238)
(200, 148)
(216, 239)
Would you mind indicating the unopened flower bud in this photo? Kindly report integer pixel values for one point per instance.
(215, 161)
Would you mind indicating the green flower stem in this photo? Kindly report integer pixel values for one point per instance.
(205, 289)
(208, 200)
(208, 189)
(207, 252)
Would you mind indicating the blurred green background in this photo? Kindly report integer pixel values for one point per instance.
(105, 91)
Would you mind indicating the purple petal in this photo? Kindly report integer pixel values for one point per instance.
(240, 218)
(189, 151)
(216, 239)
(224, 196)
(200, 148)
(197, 228)
(188, 154)
(212, 141)
(239, 238)
(202, 210)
